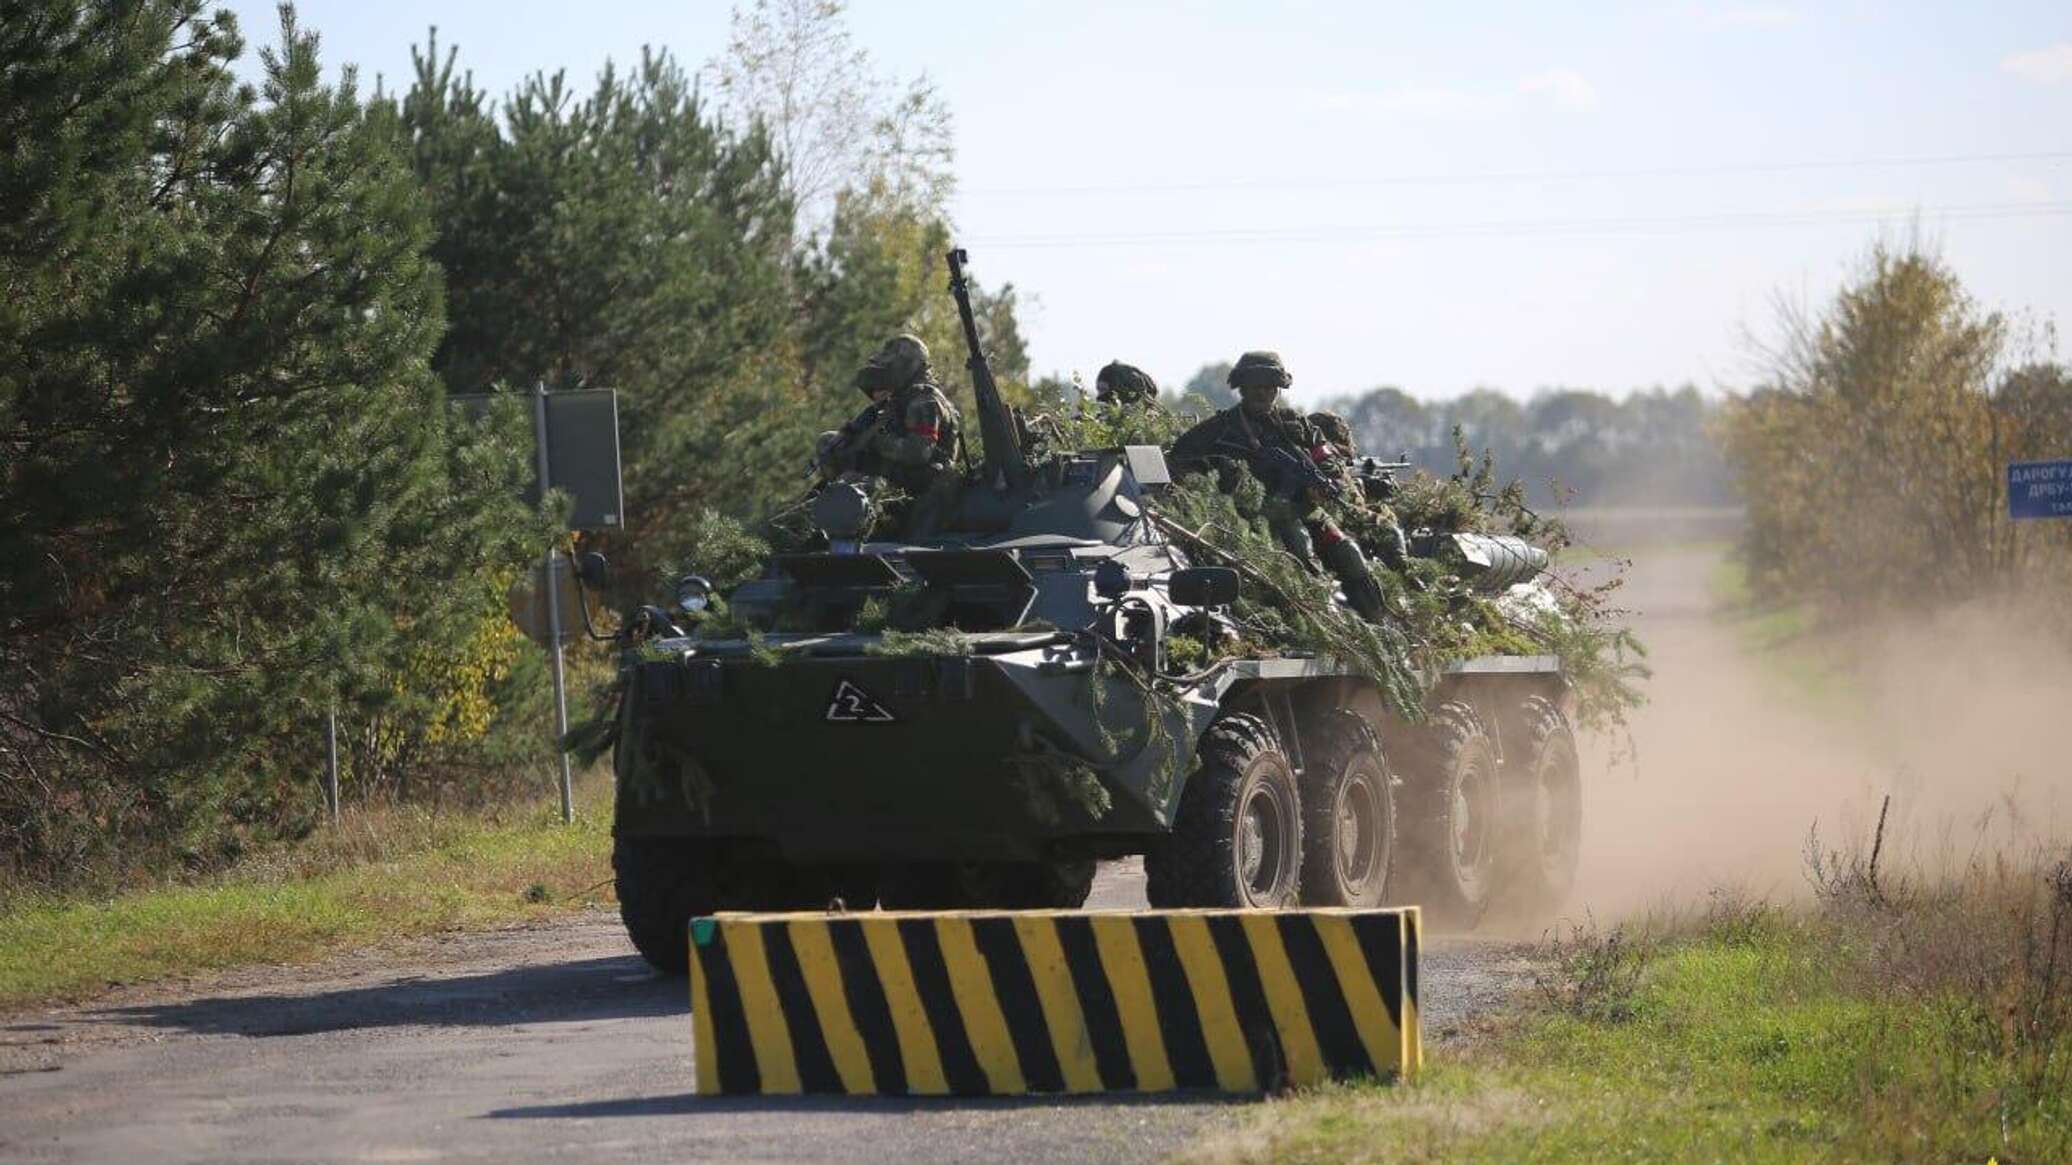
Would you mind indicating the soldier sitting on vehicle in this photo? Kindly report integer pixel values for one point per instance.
(1300, 469)
(907, 436)
(1369, 513)
(1124, 384)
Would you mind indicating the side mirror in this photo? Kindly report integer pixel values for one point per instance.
(1111, 579)
(1203, 586)
(592, 570)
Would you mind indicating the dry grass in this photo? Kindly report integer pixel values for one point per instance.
(1906, 1014)
(381, 874)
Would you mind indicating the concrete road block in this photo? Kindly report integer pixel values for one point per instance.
(1001, 1003)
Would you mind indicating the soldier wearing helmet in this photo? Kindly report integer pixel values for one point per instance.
(907, 435)
(1125, 384)
(1300, 469)
(1367, 514)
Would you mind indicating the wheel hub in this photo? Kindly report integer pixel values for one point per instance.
(1355, 831)
(1251, 840)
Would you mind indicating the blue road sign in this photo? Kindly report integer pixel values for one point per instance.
(2039, 489)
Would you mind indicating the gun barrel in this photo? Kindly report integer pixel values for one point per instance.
(1003, 446)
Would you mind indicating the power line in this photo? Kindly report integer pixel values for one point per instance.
(1500, 176)
(1574, 228)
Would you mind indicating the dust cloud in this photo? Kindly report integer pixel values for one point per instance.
(1964, 718)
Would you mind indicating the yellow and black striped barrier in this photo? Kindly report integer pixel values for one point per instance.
(982, 1003)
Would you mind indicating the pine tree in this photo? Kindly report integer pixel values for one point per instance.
(624, 240)
(230, 495)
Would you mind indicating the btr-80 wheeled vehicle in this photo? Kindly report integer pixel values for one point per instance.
(1040, 724)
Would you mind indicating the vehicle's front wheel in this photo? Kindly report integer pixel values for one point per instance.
(662, 882)
(1349, 814)
(1237, 839)
(1450, 802)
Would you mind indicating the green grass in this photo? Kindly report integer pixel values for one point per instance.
(380, 875)
(1754, 1043)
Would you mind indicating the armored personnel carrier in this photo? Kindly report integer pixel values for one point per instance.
(974, 719)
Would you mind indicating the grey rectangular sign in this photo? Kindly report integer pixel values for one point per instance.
(582, 452)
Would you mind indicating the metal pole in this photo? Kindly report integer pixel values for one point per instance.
(331, 761)
(552, 594)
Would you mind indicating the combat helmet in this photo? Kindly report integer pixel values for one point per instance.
(1260, 369)
(1259, 378)
(1335, 430)
(1124, 384)
(900, 361)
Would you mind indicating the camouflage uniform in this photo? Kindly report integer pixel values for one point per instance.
(1263, 434)
(1367, 514)
(906, 436)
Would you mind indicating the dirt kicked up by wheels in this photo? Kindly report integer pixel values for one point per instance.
(1053, 675)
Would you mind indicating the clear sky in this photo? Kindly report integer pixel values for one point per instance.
(1436, 196)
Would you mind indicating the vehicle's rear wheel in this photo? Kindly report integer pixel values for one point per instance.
(1543, 792)
(1348, 814)
(1450, 806)
(1237, 839)
(1053, 885)
(662, 882)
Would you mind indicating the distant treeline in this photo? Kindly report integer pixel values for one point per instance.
(1570, 446)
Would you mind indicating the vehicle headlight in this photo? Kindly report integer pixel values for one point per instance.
(693, 593)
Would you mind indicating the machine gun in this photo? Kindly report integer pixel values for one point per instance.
(1003, 446)
(1377, 478)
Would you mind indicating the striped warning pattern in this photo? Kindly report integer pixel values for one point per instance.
(1000, 1003)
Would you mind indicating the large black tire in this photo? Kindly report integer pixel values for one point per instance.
(1237, 839)
(662, 883)
(1543, 816)
(1451, 832)
(1348, 814)
(1058, 885)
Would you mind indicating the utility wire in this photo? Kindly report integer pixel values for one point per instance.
(1573, 227)
(1500, 176)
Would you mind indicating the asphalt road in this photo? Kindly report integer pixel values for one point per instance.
(547, 1043)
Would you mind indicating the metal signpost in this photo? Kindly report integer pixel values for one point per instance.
(539, 436)
(576, 434)
(2039, 489)
(331, 761)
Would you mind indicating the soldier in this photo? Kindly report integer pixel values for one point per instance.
(1369, 515)
(1125, 384)
(906, 436)
(1297, 465)
(1336, 431)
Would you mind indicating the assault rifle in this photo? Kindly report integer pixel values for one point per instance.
(852, 431)
(1287, 473)
(1003, 460)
